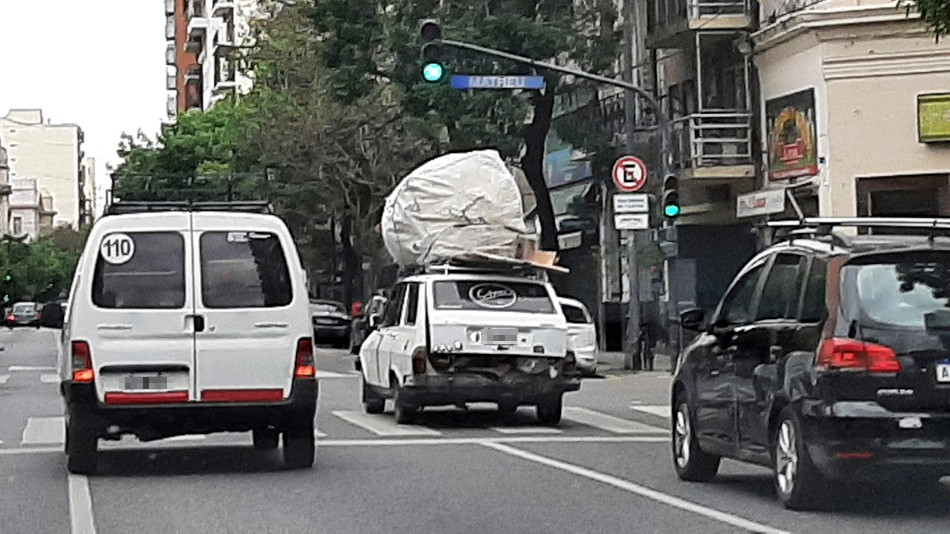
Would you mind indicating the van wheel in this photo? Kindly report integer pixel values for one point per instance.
(299, 446)
(372, 402)
(81, 448)
(549, 411)
(404, 412)
(265, 439)
(689, 460)
(798, 483)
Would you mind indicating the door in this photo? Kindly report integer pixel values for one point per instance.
(405, 336)
(140, 327)
(253, 309)
(716, 372)
(387, 333)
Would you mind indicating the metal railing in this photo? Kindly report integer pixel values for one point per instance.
(713, 139)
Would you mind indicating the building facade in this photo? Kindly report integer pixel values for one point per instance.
(88, 192)
(31, 212)
(50, 154)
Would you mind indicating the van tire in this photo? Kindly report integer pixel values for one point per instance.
(265, 439)
(300, 446)
(372, 402)
(81, 449)
(549, 410)
(403, 412)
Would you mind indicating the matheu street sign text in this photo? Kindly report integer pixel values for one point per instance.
(464, 81)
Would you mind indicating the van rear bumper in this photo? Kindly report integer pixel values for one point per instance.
(159, 421)
(434, 390)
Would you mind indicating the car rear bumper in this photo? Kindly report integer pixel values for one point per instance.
(858, 440)
(434, 390)
(333, 332)
(159, 421)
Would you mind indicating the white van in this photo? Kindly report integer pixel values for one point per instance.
(469, 337)
(188, 321)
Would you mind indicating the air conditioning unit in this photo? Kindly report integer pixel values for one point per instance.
(170, 27)
(170, 54)
(170, 7)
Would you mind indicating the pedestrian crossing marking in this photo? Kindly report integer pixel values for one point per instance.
(660, 410)
(49, 379)
(526, 430)
(44, 431)
(330, 374)
(609, 423)
(384, 425)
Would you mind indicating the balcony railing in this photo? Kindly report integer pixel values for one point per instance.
(714, 139)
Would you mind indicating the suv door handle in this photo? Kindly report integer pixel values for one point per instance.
(198, 320)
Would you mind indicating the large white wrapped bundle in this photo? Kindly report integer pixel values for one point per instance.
(453, 205)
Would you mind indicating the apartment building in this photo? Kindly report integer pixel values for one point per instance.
(87, 189)
(202, 38)
(31, 210)
(5, 191)
(50, 154)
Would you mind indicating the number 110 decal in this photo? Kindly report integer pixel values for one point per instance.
(117, 248)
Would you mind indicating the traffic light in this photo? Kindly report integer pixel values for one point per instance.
(671, 197)
(433, 69)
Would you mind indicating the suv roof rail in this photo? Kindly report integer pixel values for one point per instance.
(118, 208)
(935, 223)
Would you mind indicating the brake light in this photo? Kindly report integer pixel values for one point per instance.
(419, 357)
(305, 365)
(854, 355)
(82, 362)
(11, 318)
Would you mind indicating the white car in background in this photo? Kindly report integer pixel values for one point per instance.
(582, 334)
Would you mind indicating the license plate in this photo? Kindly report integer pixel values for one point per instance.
(943, 372)
(502, 336)
(146, 382)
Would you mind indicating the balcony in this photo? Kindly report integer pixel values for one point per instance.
(195, 45)
(224, 42)
(171, 55)
(225, 77)
(198, 21)
(715, 145)
(170, 7)
(221, 7)
(194, 96)
(668, 20)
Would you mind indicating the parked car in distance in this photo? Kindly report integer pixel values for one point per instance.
(581, 334)
(24, 314)
(331, 322)
(366, 322)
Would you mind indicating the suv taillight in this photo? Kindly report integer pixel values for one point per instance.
(419, 357)
(82, 362)
(305, 367)
(853, 355)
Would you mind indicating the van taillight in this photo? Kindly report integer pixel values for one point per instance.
(305, 367)
(419, 357)
(82, 362)
(853, 355)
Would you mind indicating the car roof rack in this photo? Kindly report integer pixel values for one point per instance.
(120, 208)
(820, 228)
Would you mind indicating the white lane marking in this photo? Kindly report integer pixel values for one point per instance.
(186, 438)
(49, 379)
(330, 374)
(526, 430)
(384, 425)
(4, 378)
(80, 506)
(609, 422)
(29, 368)
(643, 491)
(44, 431)
(661, 410)
(318, 434)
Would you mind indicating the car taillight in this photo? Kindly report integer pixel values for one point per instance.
(305, 366)
(419, 357)
(853, 355)
(11, 318)
(82, 362)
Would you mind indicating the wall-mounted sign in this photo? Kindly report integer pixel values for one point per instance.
(632, 221)
(933, 118)
(631, 203)
(792, 135)
(760, 203)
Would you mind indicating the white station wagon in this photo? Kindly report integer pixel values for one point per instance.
(462, 337)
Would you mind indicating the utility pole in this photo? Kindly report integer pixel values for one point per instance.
(631, 354)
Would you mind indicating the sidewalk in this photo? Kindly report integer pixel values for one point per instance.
(612, 363)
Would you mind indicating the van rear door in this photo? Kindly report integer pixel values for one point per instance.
(254, 310)
(140, 327)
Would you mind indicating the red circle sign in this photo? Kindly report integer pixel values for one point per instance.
(630, 173)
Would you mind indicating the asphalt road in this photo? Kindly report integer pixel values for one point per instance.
(606, 468)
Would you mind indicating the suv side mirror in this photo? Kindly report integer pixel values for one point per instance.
(692, 319)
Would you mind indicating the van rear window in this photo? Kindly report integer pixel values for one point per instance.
(153, 277)
(525, 297)
(244, 270)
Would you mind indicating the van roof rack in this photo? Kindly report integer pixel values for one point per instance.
(119, 208)
(936, 223)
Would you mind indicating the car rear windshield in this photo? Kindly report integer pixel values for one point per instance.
(243, 270)
(153, 277)
(327, 307)
(24, 308)
(574, 315)
(899, 290)
(525, 297)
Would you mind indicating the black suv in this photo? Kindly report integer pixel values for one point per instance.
(827, 359)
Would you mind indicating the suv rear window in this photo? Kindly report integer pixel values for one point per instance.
(244, 270)
(525, 297)
(899, 290)
(152, 278)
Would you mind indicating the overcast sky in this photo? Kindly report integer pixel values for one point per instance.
(97, 63)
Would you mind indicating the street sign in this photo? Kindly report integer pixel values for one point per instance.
(632, 221)
(571, 240)
(630, 173)
(464, 81)
(632, 203)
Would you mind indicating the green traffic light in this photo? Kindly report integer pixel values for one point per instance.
(432, 72)
(671, 210)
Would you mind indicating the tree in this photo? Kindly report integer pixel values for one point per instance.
(42, 270)
(934, 13)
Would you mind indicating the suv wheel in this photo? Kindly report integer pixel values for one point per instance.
(689, 460)
(265, 439)
(372, 402)
(404, 412)
(299, 446)
(81, 446)
(549, 411)
(797, 482)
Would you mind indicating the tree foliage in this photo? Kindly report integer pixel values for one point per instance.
(42, 270)
(934, 13)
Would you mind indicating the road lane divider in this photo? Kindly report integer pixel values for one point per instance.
(659, 410)
(609, 423)
(384, 425)
(643, 491)
(526, 430)
(29, 368)
(80, 506)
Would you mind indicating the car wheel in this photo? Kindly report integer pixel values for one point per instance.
(549, 411)
(689, 460)
(299, 446)
(797, 482)
(404, 412)
(507, 408)
(81, 449)
(372, 402)
(265, 439)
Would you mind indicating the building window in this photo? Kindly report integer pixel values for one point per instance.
(17, 225)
